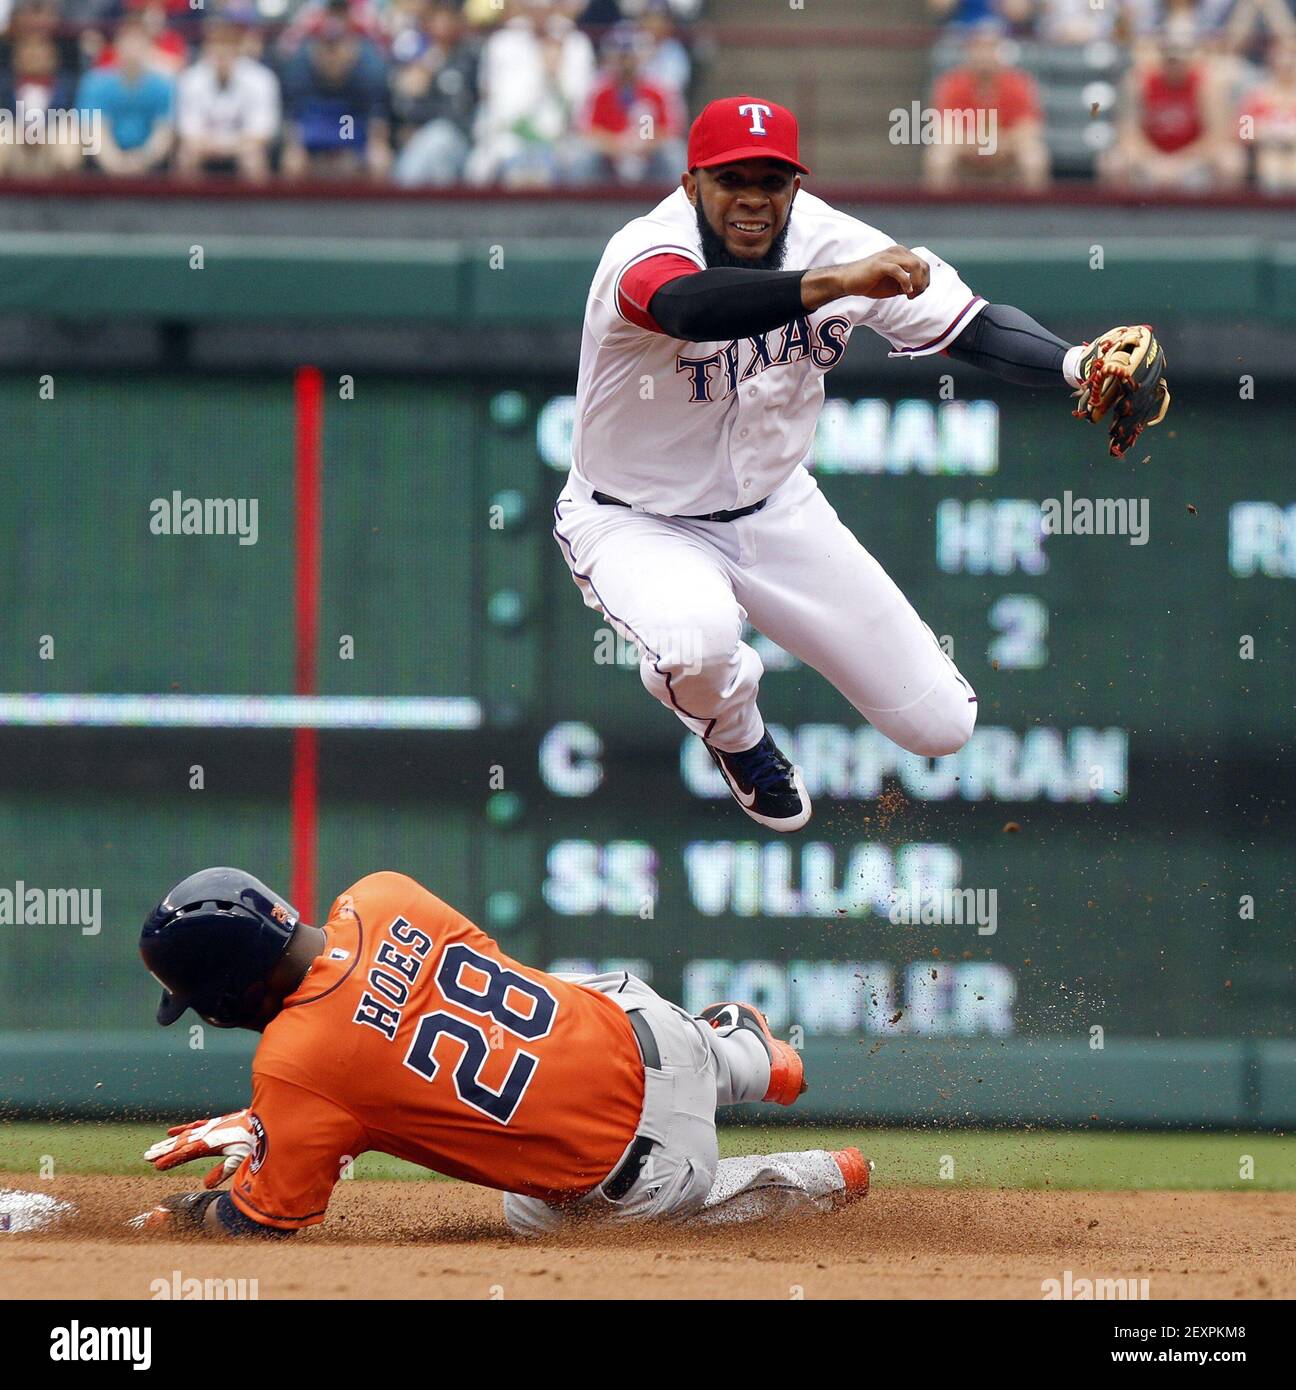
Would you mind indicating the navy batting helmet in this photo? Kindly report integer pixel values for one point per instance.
(216, 934)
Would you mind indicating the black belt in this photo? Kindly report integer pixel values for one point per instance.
(628, 1171)
(607, 500)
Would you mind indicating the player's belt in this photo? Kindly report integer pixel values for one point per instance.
(605, 499)
(629, 1169)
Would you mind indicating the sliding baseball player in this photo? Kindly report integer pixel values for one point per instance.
(689, 510)
(399, 1026)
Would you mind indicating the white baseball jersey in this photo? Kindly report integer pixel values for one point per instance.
(684, 429)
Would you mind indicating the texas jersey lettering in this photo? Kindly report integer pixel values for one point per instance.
(824, 342)
(690, 428)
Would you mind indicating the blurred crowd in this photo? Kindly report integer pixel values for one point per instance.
(420, 92)
(1183, 94)
(1203, 97)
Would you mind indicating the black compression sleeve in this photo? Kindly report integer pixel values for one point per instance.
(1009, 343)
(727, 303)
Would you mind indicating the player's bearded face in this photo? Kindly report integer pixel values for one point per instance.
(743, 214)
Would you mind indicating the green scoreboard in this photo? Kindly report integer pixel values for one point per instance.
(1113, 848)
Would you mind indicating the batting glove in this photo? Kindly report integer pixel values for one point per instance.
(227, 1135)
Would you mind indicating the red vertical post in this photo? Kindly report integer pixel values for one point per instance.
(309, 400)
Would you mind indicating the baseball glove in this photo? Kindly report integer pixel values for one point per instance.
(1122, 374)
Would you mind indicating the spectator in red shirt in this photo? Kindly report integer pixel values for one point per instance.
(990, 126)
(630, 130)
(1175, 131)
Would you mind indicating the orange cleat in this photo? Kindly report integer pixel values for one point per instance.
(787, 1073)
(856, 1170)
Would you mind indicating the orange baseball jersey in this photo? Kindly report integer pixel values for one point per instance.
(415, 1035)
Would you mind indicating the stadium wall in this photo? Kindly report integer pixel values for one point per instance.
(1144, 1083)
(483, 304)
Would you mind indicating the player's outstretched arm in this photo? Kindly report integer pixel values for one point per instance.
(1010, 344)
(1000, 339)
(732, 302)
(202, 1213)
(227, 1138)
(1119, 377)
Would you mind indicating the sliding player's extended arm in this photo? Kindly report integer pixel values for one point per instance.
(231, 1140)
(203, 1213)
(286, 1153)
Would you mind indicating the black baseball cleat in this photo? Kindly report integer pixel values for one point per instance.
(765, 785)
(787, 1074)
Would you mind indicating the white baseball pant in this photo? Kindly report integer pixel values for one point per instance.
(682, 590)
(684, 1178)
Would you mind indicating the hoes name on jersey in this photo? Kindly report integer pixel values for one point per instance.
(823, 342)
(390, 977)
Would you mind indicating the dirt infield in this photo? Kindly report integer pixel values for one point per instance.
(445, 1240)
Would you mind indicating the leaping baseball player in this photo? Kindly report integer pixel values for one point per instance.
(689, 509)
(399, 1026)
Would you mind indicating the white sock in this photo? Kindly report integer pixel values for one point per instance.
(743, 1064)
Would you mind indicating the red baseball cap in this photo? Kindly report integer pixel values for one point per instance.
(744, 127)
